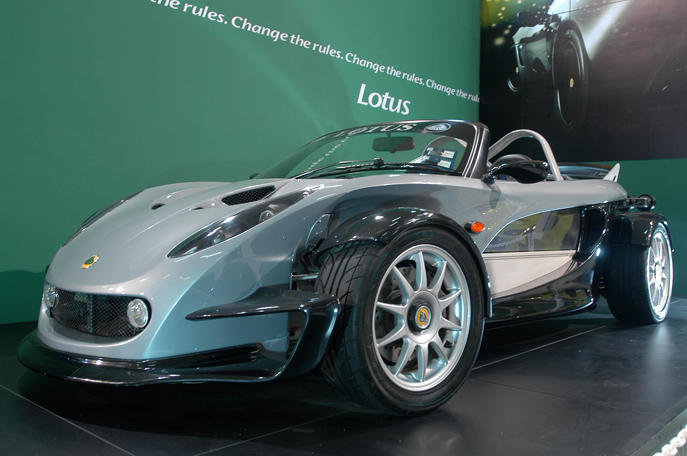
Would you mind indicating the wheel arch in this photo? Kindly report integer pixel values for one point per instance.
(568, 24)
(639, 275)
(385, 225)
(633, 228)
(636, 228)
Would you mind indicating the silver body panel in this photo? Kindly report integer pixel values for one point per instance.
(235, 300)
(133, 241)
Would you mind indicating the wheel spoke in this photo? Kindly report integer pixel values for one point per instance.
(658, 255)
(422, 352)
(450, 298)
(435, 287)
(404, 286)
(437, 345)
(420, 271)
(395, 309)
(404, 356)
(656, 296)
(398, 332)
(448, 324)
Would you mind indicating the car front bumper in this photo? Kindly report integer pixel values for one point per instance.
(244, 363)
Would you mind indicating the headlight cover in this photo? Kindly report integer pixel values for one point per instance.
(99, 214)
(50, 295)
(137, 313)
(238, 223)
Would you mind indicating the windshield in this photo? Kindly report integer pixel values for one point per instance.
(402, 147)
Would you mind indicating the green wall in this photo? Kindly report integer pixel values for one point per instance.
(101, 98)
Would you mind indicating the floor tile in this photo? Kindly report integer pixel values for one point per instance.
(11, 335)
(578, 385)
(27, 429)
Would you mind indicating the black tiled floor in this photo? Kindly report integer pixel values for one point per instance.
(578, 385)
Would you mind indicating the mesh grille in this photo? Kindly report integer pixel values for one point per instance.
(94, 314)
(248, 196)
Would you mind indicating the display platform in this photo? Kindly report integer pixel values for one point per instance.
(578, 385)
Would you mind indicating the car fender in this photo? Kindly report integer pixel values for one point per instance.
(635, 228)
(385, 225)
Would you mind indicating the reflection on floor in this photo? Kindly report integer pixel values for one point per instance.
(577, 385)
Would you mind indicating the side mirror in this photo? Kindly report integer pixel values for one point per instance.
(525, 172)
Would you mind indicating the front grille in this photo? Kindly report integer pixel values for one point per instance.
(248, 196)
(99, 315)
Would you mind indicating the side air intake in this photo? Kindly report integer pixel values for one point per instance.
(255, 194)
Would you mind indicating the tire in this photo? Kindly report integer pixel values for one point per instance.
(570, 72)
(412, 320)
(513, 79)
(640, 280)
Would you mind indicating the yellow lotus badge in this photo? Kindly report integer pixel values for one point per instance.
(90, 262)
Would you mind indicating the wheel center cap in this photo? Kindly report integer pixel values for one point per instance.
(423, 317)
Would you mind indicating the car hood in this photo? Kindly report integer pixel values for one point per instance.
(134, 237)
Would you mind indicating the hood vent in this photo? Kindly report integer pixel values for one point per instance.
(255, 194)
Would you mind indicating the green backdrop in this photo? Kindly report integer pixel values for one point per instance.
(101, 98)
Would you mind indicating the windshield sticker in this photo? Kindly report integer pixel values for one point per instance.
(436, 152)
(437, 160)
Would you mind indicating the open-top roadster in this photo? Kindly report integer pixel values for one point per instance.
(376, 252)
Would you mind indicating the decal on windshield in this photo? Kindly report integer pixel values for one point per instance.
(436, 152)
(439, 127)
(374, 128)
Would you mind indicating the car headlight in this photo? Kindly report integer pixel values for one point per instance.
(137, 313)
(50, 295)
(99, 214)
(236, 224)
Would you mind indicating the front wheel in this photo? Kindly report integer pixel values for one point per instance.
(412, 322)
(640, 280)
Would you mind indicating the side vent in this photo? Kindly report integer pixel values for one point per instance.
(248, 196)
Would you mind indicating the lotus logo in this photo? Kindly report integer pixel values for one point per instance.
(423, 317)
(439, 127)
(89, 262)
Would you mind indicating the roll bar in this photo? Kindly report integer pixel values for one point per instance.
(504, 142)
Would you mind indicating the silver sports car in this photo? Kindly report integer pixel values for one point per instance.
(377, 253)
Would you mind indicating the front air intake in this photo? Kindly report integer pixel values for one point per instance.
(255, 194)
(99, 315)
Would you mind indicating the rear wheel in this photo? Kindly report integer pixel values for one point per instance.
(640, 280)
(570, 69)
(412, 322)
